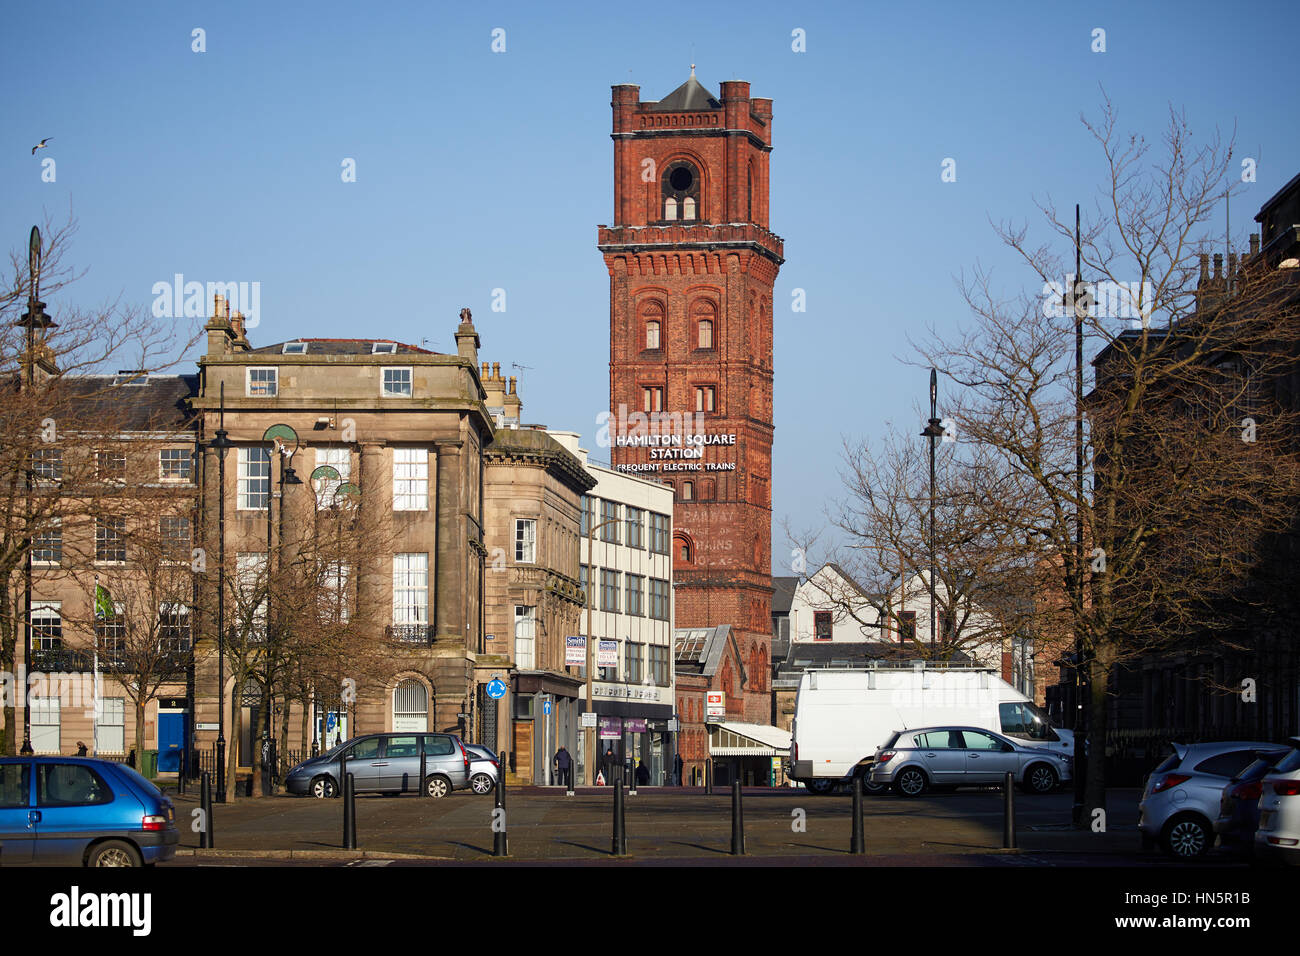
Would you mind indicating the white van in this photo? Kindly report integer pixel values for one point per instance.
(842, 716)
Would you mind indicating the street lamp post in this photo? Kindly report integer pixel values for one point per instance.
(933, 431)
(31, 320)
(220, 442)
(279, 436)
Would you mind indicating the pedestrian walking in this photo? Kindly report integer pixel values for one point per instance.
(562, 762)
(642, 774)
(81, 748)
(610, 762)
(677, 769)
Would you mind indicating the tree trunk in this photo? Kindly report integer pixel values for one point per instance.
(259, 734)
(139, 735)
(232, 745)
(284, 738)
(306, 742)
(1094, 795)
(8, 654)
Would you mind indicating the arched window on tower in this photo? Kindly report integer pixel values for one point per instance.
(688, 491)
(652, 335)
(680, 189)
(706, 333)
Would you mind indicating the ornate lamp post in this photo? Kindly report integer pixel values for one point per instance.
(280, 437)
(933, 432)
(34, 318)
(219, 443)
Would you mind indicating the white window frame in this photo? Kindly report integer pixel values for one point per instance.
(525, 636)
(411, 588)
(246, 477)
(410, 479)
(335, 590)
(119, 539)
(525, 540)
(386, 392)
(186, 457)
(250, 572)
(111, 726)
(46, 611)
(47, 725)
(54, 528)
(383, 348)
(273, 381)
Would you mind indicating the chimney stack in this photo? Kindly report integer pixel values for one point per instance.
(1205, 267)
(1218, 265)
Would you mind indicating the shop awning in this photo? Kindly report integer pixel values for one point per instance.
(748, 740)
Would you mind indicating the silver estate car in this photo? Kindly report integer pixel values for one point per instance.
(483, 768)
(386, 763)
(913, 761)
(1278, 836)
(1181, 799)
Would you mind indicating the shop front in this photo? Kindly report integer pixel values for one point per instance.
(635, 722)
(754, 754)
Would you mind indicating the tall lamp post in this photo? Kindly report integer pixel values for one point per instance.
(219, 443)
(933, 431)
(280, 437)
(328, 476)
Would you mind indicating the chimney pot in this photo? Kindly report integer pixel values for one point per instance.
(1232, 263)
(1205, 266)
(512, 384)
(1254, 243)
(496, 369)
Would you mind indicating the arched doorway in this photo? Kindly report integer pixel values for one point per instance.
(410, 706)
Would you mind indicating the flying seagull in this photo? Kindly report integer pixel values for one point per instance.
(41, 145)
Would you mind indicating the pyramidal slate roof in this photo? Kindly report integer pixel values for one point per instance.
(691, 95)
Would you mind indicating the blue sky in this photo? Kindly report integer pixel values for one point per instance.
(479, 170)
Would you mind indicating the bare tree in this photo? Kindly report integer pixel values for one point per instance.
(51, 407)
(1175, 506)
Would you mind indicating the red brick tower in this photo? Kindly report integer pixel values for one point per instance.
(692, 266)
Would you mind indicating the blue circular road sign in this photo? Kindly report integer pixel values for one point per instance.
(496, 688)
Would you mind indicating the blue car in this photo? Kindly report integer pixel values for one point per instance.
(80, 811)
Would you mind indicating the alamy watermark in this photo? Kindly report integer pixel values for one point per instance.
(179, 299)
(1102, 300)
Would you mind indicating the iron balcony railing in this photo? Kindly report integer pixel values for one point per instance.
(418, 634)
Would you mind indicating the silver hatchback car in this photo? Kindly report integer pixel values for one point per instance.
(386, 763)
(915, 760)
(1181, 799)
(484, 768)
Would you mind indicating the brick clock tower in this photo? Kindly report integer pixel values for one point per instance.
(692, 265)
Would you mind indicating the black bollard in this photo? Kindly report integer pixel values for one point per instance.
(856, 841)
(737, 820)
(205, 812)
(349, 814)
(631, 786)
(619, 843)
(708, 777)
(1008, 812)
(500, 843)
(424, 772)
(569, 775)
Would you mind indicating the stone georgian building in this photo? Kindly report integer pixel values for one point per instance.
(532, 495)
(692, 262)
(398, 433)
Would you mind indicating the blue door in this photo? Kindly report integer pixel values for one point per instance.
(171, 741)
(18, 818)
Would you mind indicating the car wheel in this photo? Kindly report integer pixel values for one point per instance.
(114, 853)
(481, 783)
(910, 782)
(1040, 779)
(437, 787)
(1187, 837)
(323, 788)
(821, 786)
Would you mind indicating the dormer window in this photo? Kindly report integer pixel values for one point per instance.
(383, 348)
(294, 348)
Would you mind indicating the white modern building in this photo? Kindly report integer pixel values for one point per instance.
(628, 578)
